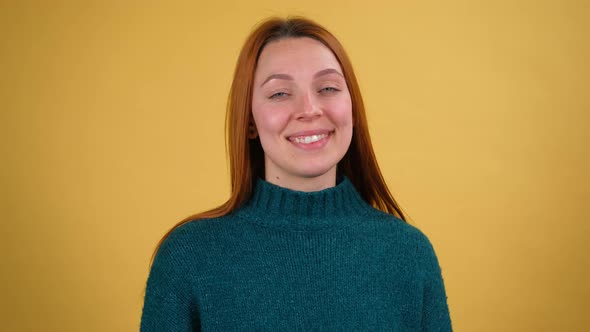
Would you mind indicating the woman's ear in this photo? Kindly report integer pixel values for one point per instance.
(252, 132)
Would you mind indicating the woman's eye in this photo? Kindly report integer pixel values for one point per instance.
(329, 89)
(278, 95)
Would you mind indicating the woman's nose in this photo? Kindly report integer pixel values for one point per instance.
(310, 107)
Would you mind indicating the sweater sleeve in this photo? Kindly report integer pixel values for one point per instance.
(435, 310)
(167, 303)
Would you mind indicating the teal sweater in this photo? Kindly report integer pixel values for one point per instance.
(295, 261)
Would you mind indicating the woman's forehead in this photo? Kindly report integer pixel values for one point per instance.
(293, 55)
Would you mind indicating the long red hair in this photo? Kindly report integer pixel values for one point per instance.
(246, 156)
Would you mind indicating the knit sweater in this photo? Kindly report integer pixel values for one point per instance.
(297, 261)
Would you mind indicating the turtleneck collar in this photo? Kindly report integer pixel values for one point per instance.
(276, 206)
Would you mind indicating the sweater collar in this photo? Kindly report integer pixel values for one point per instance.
(273, 205)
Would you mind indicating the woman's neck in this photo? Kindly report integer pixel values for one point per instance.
(301, 183)
(337, 206)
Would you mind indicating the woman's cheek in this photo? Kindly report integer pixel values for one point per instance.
(341, 112)
(275, 118)
(281, 116)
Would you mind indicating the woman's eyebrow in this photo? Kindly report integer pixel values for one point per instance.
(326, 72)
(290, 78)
(277, 76)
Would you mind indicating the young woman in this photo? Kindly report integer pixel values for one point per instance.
(311, 238)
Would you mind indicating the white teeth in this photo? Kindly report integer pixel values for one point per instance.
(309, 139)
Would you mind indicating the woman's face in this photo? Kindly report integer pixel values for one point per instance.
(302, 112)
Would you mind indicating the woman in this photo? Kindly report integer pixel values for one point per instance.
(311, 238)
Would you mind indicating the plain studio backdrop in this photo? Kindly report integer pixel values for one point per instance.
(112, 116)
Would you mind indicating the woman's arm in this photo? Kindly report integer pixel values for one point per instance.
(168, 305)
(435, 310)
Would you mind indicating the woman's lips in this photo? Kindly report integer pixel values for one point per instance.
(310, 140)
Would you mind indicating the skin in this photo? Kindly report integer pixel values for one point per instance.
(300, 91)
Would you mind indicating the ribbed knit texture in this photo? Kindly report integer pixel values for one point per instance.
(296, 261)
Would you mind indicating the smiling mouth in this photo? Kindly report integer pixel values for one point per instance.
(308, 139)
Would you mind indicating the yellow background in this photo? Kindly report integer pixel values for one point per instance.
(112, 130)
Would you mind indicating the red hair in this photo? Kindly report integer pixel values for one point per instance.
(246, 156)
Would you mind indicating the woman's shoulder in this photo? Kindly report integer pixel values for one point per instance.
(201, 228)
(198, 235)
(402, 239)
(391, 226)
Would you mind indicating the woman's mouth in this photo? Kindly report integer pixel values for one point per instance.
(308, 139)
(311, 140)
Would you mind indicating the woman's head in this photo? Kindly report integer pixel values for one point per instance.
(247, 157)
(301, 113)
(246, 153)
